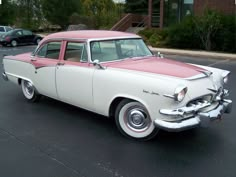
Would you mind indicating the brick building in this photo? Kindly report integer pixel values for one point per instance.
(164, 12)
(161, 13)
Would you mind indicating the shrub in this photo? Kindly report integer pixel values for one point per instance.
(154, 37)
(225, 38)
(183, 35)
(210, 31)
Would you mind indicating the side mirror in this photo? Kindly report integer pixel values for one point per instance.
(98, 64)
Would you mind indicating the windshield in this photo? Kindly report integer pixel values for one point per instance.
(118, 49)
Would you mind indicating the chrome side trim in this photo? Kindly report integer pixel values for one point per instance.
(20, 77)
(199, 76)
(4, 76)
(169, 96)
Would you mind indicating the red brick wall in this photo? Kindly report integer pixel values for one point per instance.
(226, 6)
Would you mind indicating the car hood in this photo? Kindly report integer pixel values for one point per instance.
(160, 66)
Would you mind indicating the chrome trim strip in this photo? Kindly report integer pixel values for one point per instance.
(17, 76)
(169, 96)
(177, 126)
(199, 76)
(4, 76)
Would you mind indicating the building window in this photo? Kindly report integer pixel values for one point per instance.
(187, 8)
(176, 10)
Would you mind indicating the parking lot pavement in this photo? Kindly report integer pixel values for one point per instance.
(54, 139)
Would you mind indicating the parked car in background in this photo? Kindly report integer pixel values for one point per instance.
(4, 29)
(16, 37)
(116, 75)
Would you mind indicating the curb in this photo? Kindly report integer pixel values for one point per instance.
(204, 54)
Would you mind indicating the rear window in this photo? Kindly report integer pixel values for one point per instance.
(2, 29)
(8, 29)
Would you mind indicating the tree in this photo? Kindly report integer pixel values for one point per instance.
(7, 12)
(103, 12)
(206, 27)
(59, 12)
(29, 13)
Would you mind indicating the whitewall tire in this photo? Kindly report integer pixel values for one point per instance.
(133, 120)
(29, 91)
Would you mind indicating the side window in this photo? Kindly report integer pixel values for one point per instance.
(19, 33)
(42, 52)
(76, 51)
(8, 29)
(2, 29)
(50, 50)
(27, 32)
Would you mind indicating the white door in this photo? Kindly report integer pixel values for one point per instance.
(74, 76)
(45, 62)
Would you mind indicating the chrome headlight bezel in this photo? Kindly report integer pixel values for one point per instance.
(180, 93)
(225, 77)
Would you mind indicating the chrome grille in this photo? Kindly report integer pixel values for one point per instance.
(200, 101)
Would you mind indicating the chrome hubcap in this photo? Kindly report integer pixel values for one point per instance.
(137, 120)
(38, 40)
(14, 43)
(29, 89)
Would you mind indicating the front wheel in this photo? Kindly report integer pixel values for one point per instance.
(29, 91)
(133, 120)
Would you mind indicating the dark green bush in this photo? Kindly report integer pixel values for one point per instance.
(155, 37)
(210, 31)
(183, 35)
(225, 39)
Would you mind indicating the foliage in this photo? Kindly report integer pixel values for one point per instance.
(225, 37)
(7, 12)
(29, 14)
(155, 37)
(183, 35)
(206, 27)
(59, 12)
(102, 12)
(211, 31)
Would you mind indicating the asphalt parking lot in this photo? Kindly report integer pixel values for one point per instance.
(54, 139)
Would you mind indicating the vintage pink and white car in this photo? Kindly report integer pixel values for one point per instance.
(116, 75)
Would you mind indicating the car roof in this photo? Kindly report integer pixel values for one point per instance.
(90, 34)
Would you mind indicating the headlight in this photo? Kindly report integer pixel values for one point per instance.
(180, 93)
(225, 77)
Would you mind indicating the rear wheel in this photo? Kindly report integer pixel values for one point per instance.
(37, 41)
(29, 91)
(133, 120)
(14, 43)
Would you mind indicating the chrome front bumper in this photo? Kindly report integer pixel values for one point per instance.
(4, 76)
(199, 118)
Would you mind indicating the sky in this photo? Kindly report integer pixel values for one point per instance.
(121, 1)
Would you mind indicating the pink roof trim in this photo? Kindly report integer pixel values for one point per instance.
(90, 34)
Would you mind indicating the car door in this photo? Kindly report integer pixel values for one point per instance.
(19, 36)
(74, 76)
(28, 35)
(45, 61)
